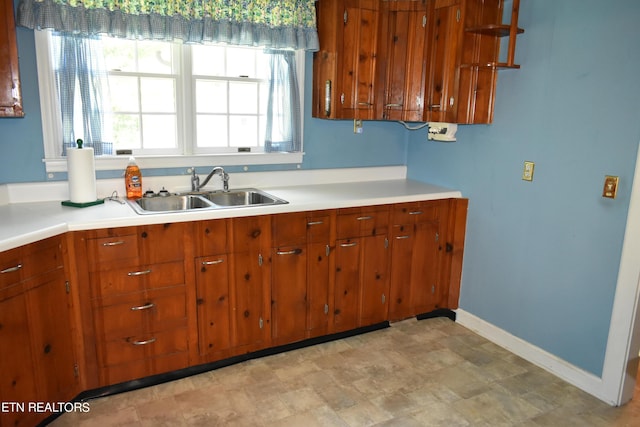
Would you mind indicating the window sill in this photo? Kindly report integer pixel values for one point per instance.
(158, 162)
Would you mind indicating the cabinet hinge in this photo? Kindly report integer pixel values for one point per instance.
(345, 16)
(260, 260)
(326, 309)
(433, 289)
(76, 370)
(261, 323)
(386, 242)
(67, 286)
(327, 250)
(342, 98)
(384, 298)
(437, 238)
(424, 21)
(458, 15)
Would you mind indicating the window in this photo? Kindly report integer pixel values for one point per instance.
(173, 104)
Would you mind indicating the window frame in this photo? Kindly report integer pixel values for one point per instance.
(52, 132)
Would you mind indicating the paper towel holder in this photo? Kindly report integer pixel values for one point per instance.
(79, 143)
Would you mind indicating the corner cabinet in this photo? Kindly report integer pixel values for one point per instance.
(411, 60)
(10, 93)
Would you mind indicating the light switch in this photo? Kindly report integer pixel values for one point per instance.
(527, 171)
(610, 189)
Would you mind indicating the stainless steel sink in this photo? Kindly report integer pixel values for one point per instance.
(172, 203)
(242, 197)
(204, 201)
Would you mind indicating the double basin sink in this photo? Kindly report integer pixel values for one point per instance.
(185, 202)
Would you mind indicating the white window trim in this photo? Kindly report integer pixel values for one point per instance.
(52, 133)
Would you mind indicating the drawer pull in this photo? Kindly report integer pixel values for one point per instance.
(291, 252)
(116, 243)
(415, 213)
(11, 269)
(310, 223)
(143, 307)
(214, 262)
(364, 218)
(145, 342)
(348, 245)
(138, 273)
(401, 237)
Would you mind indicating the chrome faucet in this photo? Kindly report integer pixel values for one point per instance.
(195, 179)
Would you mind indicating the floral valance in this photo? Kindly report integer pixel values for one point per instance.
(281, 24)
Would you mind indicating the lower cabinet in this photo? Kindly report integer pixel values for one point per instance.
(38, 355)
(300, 276)
(361, 268)
(249, 283)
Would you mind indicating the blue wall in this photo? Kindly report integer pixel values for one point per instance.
(542, 257)
(327, 144)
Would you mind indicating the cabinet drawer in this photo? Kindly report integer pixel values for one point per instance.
(362, 222)
(142, 346)
(318, 228)
(11, 266)
(26, 262)
(145, 311)
(105, 252)
(289, 229)
(414, 212)
(126, 280)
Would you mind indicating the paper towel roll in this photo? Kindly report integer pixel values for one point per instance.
(81, 170)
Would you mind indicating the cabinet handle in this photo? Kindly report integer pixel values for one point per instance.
(401, 237)
(327, 98)
(392, 105)
(364, 218)
(348, 245)
(116, 243)
(365, 104)
(310, 223)
(217, 261)
(434, 107)
(145, 342)
(11, 269)
(291, 252)
(416, 213)
(143, 307)
(138, 273)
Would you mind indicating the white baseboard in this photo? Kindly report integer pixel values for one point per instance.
(580, 378)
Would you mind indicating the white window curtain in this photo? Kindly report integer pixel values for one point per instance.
(283, 133)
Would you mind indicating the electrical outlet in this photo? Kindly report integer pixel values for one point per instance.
(527, 171)
(610, 189)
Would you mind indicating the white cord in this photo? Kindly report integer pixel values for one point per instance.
(412, 127)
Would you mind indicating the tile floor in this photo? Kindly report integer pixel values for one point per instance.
(417, 373)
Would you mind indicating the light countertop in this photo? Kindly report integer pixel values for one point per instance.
(24, 223)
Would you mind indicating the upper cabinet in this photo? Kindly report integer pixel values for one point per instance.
(412, 60)
(10, 94)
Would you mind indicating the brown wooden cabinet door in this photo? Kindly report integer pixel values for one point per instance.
(401, 60)
(425, 267)
(10, 93)
(375, 280)
(212, 289)
(402, 243)
(318, 280)
(17, 376)
(443, 57)
(358, 52)
(288, 294)
(50, 322)
(347, 284)
(249, 293)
